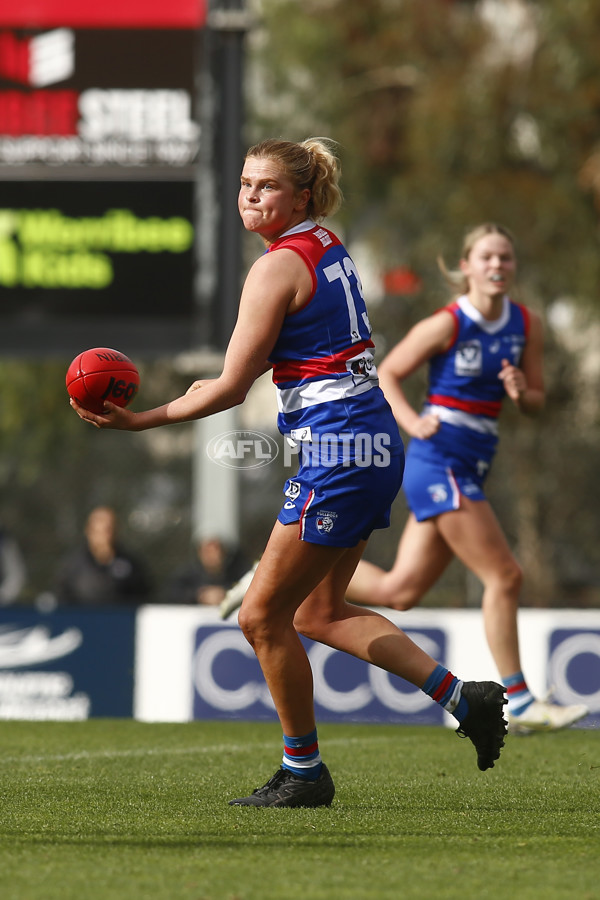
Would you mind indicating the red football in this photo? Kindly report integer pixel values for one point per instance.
(102, 374)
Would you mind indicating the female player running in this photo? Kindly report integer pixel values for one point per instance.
(479, 349)
(303, 314)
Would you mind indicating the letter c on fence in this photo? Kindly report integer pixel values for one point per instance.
(219, 697)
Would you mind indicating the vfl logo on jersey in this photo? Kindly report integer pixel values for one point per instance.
(438, 492)
(467, 359)
(325, 521)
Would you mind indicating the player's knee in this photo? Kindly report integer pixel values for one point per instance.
(508, 579)
(301, 624)
(405, 595)
(308, 626)
(512, 577)
(251, 624)
(261, 625)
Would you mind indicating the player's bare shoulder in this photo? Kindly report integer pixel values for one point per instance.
(435, 333)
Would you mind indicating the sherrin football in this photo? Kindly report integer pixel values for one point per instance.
(102, 374)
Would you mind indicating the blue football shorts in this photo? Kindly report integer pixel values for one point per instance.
(341, 505)
(434, 485)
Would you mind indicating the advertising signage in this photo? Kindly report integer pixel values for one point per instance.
(95, 261)
(108, 14)
(67, 665)
(99, 148)
(92, 100)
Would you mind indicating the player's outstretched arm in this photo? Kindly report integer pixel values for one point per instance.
(271, 287)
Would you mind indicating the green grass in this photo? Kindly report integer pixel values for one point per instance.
(121, 810)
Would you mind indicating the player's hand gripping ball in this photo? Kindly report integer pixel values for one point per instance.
(102, 374)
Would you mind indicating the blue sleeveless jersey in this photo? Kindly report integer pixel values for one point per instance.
(323, 365)
(464, 388)
(465, 377)
(466, 394)
(331, 408)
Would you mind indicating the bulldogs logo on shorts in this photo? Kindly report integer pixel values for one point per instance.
(325, 521)
(438, 492)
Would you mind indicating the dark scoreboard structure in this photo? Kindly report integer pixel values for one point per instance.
(101, 138)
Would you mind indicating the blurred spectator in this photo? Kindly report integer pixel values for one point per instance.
(102, 572)
(207, 577)
(12, 569)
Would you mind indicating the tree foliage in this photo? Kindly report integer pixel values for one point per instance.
(447, 116)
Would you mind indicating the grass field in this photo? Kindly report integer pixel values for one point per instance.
(121, 810)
